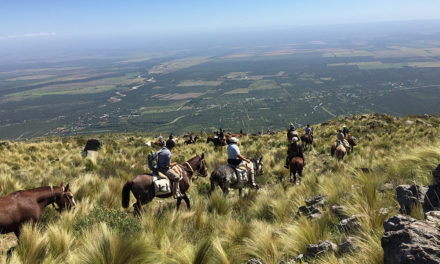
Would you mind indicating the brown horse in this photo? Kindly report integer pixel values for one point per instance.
(307, 139)
(296, 166)
(193, 141)
(217, 142)
(351, 140)
(24, 206)
(143, 189)
(340, 150)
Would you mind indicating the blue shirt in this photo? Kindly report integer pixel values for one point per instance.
(164, 158)
(308, 129)
(233, 151)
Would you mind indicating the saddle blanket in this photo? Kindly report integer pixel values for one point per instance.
(240, 175)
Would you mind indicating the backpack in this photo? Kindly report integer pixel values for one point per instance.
(153, 160)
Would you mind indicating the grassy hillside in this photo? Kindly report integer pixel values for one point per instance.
(262, 224)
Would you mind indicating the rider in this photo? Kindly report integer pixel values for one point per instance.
(291, 127)
(340, 136)
(294, 150)
(164, 166)
(235, 158)
(345, 130)
(308, 129)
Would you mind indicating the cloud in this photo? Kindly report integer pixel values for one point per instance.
(30, 35)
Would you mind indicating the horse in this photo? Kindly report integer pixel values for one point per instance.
(307, 139)
(222, 176)
(296, 166)
(24, 206)
(291, 134)
(217, 142)
(143, 189)
(340, 150)
(193, 141)
(351, 140)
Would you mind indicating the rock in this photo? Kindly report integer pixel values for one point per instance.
(301, 258)
(318, 200)
(363, 117)
(407, 240)
(386, 187)
(255, 261)
(323, 247)
(92, 144)
(340, 211)
(409, 196)
(348, 245)
(433, 217)
(384, 211)
(431, 200)
(409, 122)
(436, 175)
(325, 123)
(349, 224)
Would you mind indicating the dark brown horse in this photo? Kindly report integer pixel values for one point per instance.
(24, 206)
(351, 140)
(307, 139)
(191, 141)
(296, 167)
(143, 189)
(339, 150)
(217, 142)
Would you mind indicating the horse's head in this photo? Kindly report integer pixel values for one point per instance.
(202, 168)
(258, 166)
(208, 139)
(65, 200)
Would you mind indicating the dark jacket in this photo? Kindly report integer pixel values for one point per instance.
(295, 150)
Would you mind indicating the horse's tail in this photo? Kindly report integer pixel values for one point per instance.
(333, 149)
(126, 194)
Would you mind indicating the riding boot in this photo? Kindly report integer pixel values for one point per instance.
(287, 163)
(176, 190)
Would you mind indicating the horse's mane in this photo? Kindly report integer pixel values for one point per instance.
(38, 189)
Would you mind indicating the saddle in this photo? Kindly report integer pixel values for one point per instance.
(240, 173)
(162, 185)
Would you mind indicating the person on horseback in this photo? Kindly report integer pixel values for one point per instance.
(235, 158)
(341, 138)
(294, 150)
(309, 130)
(291, 127)
(345, 130)
(165, 166)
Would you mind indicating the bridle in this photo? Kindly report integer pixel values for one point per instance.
(54, 198)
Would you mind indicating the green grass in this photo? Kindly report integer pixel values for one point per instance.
(262, 224)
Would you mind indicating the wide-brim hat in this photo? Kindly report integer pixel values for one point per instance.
(294, 139)
(233, 140)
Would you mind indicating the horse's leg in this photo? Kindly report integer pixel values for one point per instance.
(137, 208)
(186, 199)
(240, 192)
(179, 201)
(212, 188)
(225, 188)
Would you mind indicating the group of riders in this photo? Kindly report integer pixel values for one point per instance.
(235, 158)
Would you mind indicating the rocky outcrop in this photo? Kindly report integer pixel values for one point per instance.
(410, 241)
(410, 196)
(340, 211)
(313, 207)
(350, 224)
(349, 245)
(436, 175)
(255, 261)
(433, 217)
(326, 246)
(92, 144)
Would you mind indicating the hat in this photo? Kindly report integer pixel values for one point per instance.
(290, 124)
(170, 144)
(294, 139)
(344, 126)
(233, 140)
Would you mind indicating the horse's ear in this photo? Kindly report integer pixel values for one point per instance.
(203, 155)
(66, 188)
(62, 185)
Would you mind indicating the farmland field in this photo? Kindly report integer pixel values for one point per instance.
(250, 88)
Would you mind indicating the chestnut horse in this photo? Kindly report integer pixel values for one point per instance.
(143, 189)
(193, 141)
(296, 166)
(307, 139)
(351, 140)
(217, 142)
(340, 150)
(23, 206)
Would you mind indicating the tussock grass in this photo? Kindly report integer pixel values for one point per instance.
(262, 224)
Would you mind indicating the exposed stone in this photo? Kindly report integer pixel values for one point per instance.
(348, 245)
(433, 217)
(349, 224)
(431, 200)
(386, 187)
(436, 174)
(384, 211)
(318, 200)
(326, 246)
(255, 261)
(409, 196)
(409, 122)
(407, 240)
(363, 117)
(325, 123)
(340, 211)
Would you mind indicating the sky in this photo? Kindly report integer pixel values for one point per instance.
(85, 18)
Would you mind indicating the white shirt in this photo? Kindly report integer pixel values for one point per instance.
(233, 151)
